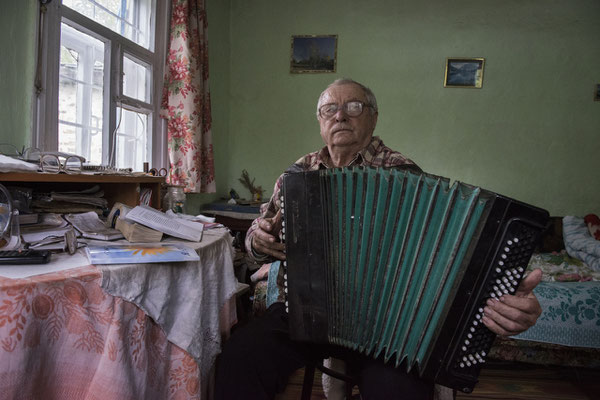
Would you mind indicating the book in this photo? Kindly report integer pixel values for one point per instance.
(134, 254)
(91, 227)
(137, 233)
(158, 220)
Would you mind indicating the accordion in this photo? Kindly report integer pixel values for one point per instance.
(399, 265)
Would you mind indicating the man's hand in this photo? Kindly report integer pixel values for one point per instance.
(512, 315)
(265, 238)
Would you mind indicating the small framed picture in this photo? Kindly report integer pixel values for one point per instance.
(464, 72)
(597, 92)
(313, 53)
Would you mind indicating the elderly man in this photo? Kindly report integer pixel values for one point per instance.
(258, 359)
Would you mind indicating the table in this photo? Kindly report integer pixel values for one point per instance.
(70, 335)
(236, 217)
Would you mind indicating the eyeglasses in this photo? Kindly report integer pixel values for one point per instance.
(351, 109)
(56, 162)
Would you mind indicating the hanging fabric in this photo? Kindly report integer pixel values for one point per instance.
(186, 99)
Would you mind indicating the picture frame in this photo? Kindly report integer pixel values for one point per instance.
(313, 54)
(597, 92)
(464, 72)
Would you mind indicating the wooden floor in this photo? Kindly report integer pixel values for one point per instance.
(499, 382)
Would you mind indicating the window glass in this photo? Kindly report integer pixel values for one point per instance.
(80, 94)
(129, 18)
(132, 144)
(136, 79)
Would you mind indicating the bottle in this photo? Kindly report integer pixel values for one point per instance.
(175, 199)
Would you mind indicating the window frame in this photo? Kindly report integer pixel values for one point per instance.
(45, 132)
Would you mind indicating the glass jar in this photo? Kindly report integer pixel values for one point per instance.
(175, 199)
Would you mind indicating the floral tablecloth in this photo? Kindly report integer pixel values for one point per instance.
(63, 337)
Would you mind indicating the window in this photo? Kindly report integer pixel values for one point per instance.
(100, 81)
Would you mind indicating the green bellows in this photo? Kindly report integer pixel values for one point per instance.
(396, 246)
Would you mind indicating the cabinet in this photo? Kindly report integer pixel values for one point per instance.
(117, 188)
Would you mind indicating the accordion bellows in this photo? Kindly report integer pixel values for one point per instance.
(398, 265)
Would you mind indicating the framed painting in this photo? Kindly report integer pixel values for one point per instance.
(464, 72)
(313, 53)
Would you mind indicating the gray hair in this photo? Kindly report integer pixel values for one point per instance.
(371, 100)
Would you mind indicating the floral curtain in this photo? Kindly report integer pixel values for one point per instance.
(186, 99)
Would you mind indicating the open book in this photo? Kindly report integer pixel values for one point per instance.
(174, 226)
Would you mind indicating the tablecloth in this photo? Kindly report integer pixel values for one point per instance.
(197, 290)
(62, 337)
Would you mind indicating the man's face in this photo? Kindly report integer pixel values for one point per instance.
(342, 131)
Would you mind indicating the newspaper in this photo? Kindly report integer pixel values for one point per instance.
(177, 227)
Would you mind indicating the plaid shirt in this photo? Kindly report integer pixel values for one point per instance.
(376, 154)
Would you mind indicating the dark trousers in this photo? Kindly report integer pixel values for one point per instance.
(258, 359)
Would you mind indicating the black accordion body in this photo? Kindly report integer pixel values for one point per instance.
(399, 265)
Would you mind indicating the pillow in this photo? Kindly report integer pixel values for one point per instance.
(579, 243)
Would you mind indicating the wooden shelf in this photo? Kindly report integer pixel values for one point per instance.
(117, 188)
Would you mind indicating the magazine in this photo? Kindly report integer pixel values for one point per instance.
(140, 253)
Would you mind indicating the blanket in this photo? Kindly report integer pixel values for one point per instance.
(579, 243)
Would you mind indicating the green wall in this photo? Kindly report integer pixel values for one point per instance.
(18, 21)
(530, 132)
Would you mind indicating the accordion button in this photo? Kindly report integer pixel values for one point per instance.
(520, 269)
(516, 240)
(501, 263)
(468, 364)
(498, 270)
(285, 275)
(506, 249)
(462, 365)
(464, 348)
(503, 256)
(509, 242)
